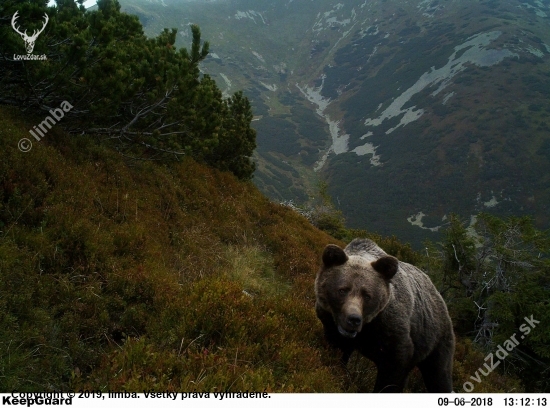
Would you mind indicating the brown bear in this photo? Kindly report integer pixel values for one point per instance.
(387, 310)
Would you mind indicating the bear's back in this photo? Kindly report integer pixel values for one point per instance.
(364, 247)
(415, 302)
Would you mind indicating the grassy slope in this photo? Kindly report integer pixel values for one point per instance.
(135, 276)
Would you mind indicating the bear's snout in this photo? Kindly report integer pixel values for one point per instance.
(351, 319)
(354, 321)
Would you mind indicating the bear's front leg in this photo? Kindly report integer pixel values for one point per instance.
(394, 365)
(391, 379)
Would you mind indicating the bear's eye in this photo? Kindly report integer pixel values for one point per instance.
(366, 295)
(343, 291)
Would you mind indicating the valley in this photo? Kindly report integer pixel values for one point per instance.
(432, 107)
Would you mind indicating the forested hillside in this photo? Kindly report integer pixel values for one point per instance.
(140, 94)
(411, 111)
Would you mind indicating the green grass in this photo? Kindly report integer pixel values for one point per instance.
(136, 276)
(177, 275)
(252, 268)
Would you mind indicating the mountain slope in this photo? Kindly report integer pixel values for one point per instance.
(135, 276)
(126, 276)
(410, 110)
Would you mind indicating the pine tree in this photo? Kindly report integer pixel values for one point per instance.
(497, 274)
(140, 94)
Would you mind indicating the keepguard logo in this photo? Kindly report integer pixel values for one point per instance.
(29, 40)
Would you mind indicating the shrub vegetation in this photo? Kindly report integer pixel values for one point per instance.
(178, 275)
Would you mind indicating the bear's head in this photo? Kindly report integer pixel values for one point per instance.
(353, 289)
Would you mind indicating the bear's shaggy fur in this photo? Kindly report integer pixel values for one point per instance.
(387, 310)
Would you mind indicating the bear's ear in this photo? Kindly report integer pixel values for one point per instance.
(333, 255)
(387, 266)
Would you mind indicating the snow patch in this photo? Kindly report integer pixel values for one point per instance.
(447, 97)
(272, 88)
(538, 10)
(329, 19)
(258, 56)
(280, 68)
(535, 51)
(250, 14)
(416, 220)
(366, 31)
(225, 93)
(339, 141)
(491, 203)
(334, 21)
(429, 8)
(476, 53)
(368, 148)
(226, 80)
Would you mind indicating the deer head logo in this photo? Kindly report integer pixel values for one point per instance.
(29, 41)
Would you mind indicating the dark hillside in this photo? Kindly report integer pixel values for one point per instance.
(164, 272)
(135, 276)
